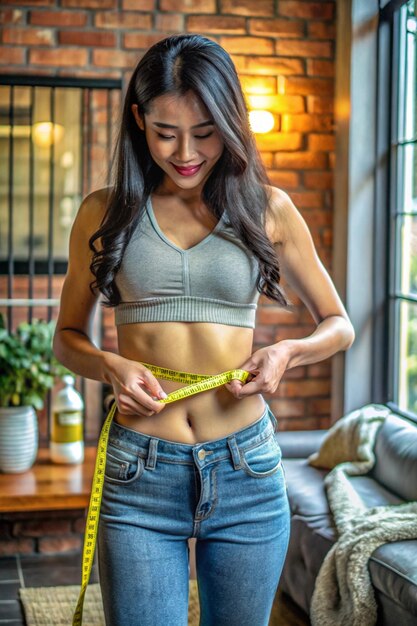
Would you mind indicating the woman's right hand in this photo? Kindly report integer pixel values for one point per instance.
(134, 387)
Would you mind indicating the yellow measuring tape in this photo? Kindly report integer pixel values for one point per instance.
(196, 383)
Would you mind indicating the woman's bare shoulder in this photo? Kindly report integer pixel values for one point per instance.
(278, 214)
(94, 206)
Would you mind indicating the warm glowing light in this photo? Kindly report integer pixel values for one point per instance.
(261, 121)
(46, 133)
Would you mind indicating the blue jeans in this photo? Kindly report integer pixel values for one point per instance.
(229, 493)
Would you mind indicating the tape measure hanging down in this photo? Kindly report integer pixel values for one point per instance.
(196, 383)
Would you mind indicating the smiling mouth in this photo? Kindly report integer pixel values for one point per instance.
(187, 171)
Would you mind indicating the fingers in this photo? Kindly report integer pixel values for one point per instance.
(153, 385)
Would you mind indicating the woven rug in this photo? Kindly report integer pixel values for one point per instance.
(54, 606)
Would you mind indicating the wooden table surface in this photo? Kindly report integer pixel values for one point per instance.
(48, 486)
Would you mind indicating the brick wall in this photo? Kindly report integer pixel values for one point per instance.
(284, 53)
(41, 532)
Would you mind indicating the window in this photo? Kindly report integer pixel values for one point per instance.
(402, 356)
(56, 138)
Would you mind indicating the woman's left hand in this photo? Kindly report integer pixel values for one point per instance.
(267, 366)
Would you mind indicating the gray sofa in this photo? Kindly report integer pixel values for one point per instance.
(392, 480)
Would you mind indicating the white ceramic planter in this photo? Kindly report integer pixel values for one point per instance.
(18, 438)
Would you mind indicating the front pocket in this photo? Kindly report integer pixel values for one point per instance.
(122, 466)
(262, 460)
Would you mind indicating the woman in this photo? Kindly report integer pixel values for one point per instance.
(182, 245)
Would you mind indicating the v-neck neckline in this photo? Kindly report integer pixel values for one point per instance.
(154, 221)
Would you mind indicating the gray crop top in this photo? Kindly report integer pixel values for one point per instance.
(214, 281)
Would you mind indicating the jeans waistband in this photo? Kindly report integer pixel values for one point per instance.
(203, 453)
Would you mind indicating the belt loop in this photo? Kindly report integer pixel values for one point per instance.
(152, 454)
(234, 450)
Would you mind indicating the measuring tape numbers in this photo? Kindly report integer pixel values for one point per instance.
(196, 383)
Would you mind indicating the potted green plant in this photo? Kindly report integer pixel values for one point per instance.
(28, 369)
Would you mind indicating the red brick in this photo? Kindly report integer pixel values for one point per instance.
(318, 180)
(138, 5)
(309, 86)
(284, 180)
(247, 7)
(267, 65)
(306, 122)
(11, 16)
(215, 24)
(323, 369)
(277, 103)
(311, 200)
(127, 19)
(42, 527)
(188, 6)
(263, 335)
(301, 160)
(79, 525)
(88, 74)
(321, 406)
(307, 10)
(281, 407)
(51, 545)
(87, 38)
(169, 22)
(57, 18)
(267, 159)
(317, 67)
(40, 3)
(247, 45)
(326, 237)
(259, 84)
(89, 4)
(11, 56)
(300, 423)
(296, 48)
(279, 141)
(317, 104)
(115, 58)
(141, 41)
(321, 30)
(29, 36)
(321, 142)
(16, 546)
(276, 28)
(58, 57)
(305, 388)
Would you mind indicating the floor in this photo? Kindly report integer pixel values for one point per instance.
(38, 571)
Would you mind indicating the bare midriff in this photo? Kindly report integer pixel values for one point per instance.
(199, 348)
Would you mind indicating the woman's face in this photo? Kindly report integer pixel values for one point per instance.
(182, 138)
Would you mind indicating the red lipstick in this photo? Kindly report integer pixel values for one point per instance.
(187, 171)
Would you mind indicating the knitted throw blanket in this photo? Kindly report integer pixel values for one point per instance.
(343, 592)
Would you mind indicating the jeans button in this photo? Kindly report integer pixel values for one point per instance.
(202, 454)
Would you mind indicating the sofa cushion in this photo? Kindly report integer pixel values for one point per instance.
(372, 493)
(394, 572)
(307, 494)
(305, 488)
(299, 444)
(396, 457)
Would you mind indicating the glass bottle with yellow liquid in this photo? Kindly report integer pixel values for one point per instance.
(67, 441)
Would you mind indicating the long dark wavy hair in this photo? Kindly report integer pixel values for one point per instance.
(175, 65)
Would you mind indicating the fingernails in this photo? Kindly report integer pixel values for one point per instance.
(163, 395)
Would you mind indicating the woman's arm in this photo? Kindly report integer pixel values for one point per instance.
(72, 344)
(306, 275)
(72, 339)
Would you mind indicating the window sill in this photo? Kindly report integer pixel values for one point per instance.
(47, 486)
